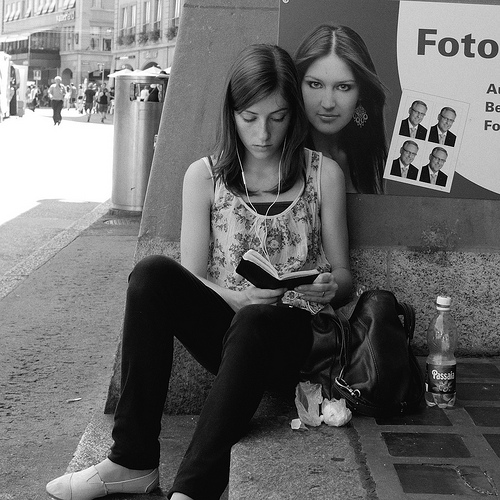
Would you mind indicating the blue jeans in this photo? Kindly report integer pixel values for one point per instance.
(245, 351)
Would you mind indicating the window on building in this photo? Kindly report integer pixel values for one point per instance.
(97, 4)
(157, 21)
(174, 13)
(146, 15)
(95, 38)
(18, 11)
(124, 18)
(106, 44)
(29, 8)
(70, 39)
(133, 16)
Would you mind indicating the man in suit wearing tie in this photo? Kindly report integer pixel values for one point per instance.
(440, 133)
(431, 173)
(402, 166)
(410, 127)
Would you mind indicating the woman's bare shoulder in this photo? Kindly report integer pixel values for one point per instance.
(199, 167)
(198, 172)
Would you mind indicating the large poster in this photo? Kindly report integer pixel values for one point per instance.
(440, 64)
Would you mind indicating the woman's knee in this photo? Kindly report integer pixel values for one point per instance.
(255, 313)
(152, 271)
(253, 322)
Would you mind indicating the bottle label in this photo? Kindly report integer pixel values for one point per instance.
(441, 379)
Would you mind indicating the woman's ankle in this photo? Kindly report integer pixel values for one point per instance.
(110, 471)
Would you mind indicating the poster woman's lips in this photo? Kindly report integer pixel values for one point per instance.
(328, 117)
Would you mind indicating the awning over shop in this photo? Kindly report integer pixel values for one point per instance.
(19, 36)
(13, 37)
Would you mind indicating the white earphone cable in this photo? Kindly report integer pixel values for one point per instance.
(263, 241)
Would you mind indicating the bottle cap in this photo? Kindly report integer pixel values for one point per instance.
(443, 301)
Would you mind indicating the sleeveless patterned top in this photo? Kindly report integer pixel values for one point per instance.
(291, 240)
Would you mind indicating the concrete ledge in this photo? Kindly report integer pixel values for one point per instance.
(175, 436)
(271, 462)
(274, 462)
(415, 276)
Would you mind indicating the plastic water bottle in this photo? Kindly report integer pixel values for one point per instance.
(441, 367)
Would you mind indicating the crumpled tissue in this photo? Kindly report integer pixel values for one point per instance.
(309, 399)
(335, 412)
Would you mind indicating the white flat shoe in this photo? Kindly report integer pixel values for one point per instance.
(87, 485)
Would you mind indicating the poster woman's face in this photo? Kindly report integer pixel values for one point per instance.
(331, 94)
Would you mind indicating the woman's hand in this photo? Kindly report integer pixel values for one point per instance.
(254, 295)
(323, 290)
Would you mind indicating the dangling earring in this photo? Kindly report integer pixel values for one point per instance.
(360, 116)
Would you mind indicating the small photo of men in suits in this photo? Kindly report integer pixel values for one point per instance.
(410, 127)
(402, 166)
(431, 173)
(440, 133)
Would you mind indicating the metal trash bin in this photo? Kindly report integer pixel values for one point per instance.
(137, 108)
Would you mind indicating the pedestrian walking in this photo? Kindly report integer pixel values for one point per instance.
(45, 97)
(29, 98)
(56, 94)
(103, 101)
(89, 100)
(80, 99)
(74, 94)
(67, 98)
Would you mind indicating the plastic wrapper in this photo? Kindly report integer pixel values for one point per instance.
(335, 412)
(308, 399)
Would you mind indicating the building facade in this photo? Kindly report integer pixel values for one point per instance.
(85, 40)
(71, 38)
(145, 33)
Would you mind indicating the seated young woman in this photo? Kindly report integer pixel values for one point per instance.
(260, 189)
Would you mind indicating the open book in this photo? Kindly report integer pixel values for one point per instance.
(260, 272)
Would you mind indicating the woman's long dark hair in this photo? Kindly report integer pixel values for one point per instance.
(365, 147)
(260, 71)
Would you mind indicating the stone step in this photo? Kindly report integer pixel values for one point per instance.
(175, 436)
(273, 462)
(270, 462)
